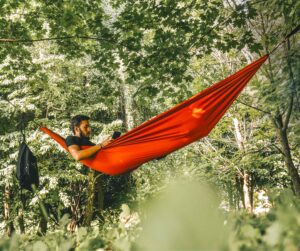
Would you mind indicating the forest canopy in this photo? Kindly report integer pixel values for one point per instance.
(121, 63)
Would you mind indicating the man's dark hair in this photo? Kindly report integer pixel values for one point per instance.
(76, 120)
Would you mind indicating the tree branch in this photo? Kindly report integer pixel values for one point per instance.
(290, 108)
(278, 149)
(225, 160)
(258, 109)
(12, 40)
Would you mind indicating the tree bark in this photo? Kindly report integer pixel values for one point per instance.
(127, 107)
(21, 217)
(21, 212)
(286, 151)
(95, 196)
(43, 224)
(7, 207)
(240, 193)
(76, 206)
(21, 220)
(246, 176)
(90, 198)
(99, 194)
(230, 193)
(44, 217)
(125, 98)
(247, 193)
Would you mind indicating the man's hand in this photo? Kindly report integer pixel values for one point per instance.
(106, 142)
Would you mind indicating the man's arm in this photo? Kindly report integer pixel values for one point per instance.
(79, 154)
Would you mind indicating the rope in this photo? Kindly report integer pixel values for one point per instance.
(12, 40)
(22, 118)
(23, 127)
(294, 31)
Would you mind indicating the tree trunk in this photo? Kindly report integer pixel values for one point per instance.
(76, 204)
(127, 106)
(282, 126)
(7, 204)
(95, 197)
(90, 198)
(247, 193)
(21, 220)
(99, 194)
(43, 224)
(21, 213)
(286, 151)
(252, 191)
(126, 114)
(240, 193)
(246, 176)
(230, 193)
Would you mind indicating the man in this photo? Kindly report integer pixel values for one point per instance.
(81, 130)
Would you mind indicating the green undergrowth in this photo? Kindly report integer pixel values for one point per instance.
(183, 216)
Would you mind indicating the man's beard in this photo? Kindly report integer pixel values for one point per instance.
(82, 135)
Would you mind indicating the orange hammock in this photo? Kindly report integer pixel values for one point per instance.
(185, 123)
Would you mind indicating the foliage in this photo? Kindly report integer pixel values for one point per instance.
(275, 230)
(113, 60)
(120, 230)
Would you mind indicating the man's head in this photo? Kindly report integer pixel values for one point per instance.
(80, 126)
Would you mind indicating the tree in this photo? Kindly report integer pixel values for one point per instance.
(281, 111)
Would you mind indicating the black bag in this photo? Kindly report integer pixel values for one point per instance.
(27, 170)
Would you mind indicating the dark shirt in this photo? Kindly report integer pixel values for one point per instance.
(79, 141)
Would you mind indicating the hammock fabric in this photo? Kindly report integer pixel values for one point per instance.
(185, 123)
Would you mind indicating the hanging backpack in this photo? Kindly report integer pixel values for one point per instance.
(27, 170)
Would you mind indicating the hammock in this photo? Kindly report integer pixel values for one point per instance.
(185, 123)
